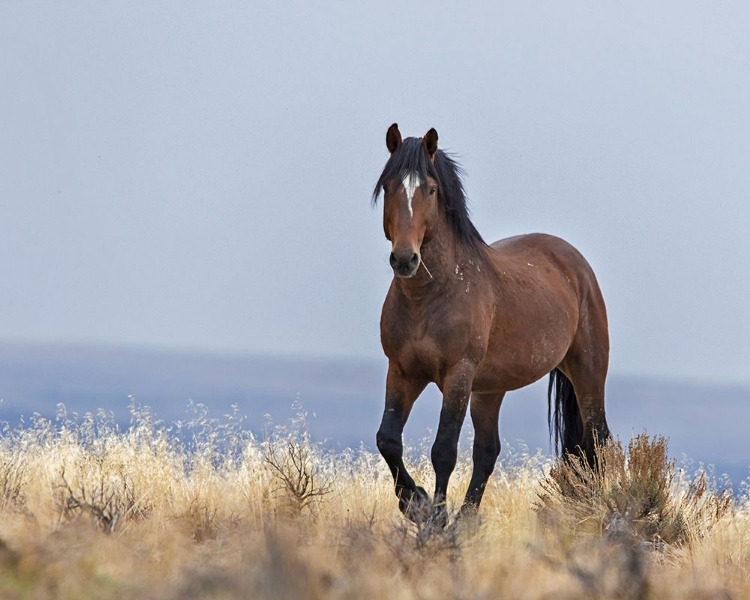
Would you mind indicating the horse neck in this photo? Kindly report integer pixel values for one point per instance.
(444, 260)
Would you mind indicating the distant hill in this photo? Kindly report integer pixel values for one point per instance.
(344, 399)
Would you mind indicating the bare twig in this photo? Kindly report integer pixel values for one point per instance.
(292, 463)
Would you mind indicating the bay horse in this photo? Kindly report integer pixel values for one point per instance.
(479, 320)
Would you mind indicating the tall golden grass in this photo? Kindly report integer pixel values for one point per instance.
(204, 510)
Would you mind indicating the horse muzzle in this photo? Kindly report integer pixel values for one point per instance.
(405, 263)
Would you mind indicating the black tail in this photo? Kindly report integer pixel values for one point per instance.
(565, 425)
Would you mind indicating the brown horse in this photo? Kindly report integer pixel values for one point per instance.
(479, 320)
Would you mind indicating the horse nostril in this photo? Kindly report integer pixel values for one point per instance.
(404, 263)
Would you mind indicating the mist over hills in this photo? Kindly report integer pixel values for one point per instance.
(344, 398)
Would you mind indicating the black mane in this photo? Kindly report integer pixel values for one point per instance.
(412, 158)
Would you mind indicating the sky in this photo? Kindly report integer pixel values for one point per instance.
(197, 175)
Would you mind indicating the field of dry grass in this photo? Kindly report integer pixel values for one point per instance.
(203, 510)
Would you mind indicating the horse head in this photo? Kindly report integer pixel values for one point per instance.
(410, 198)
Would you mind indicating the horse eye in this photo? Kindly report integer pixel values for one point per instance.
(433, 189)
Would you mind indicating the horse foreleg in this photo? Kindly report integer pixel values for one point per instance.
(400, 395)
(485, 410)
(456, 393)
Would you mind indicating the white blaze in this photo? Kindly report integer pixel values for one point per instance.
(411, 182)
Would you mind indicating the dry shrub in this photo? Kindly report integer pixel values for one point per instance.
(201, 518)
(107, 495)
(632, 495)
(295, 464)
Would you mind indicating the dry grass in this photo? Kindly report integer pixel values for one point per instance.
(203, 510)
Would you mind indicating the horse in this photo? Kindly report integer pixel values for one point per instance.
(479, 320)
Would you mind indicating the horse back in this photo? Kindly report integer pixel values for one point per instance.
(544, 259)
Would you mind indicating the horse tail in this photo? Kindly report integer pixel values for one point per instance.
(564, 420)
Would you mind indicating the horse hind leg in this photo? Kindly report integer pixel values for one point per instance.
(577, 423)
(579, 391)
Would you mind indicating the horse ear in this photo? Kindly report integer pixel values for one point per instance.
(393, 138)
(430, 143)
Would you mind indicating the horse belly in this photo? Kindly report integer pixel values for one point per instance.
(509, 369)
(493, 380)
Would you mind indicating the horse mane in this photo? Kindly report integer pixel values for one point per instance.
(412, 158)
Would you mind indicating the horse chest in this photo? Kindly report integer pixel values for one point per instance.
(427, 347)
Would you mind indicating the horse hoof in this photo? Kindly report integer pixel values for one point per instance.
(417, 507)
(468, 519)
(422, 494)
(440, 515)
(468, 511)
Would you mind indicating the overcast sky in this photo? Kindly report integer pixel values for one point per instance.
(198, 175)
